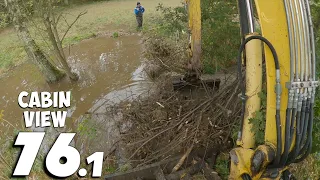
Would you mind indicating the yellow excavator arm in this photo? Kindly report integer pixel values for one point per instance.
(286, 44)
(289, 52)
(194, 13)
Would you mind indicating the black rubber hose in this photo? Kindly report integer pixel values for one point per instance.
(286, 175)
(294, 116)
(243, 91)
(301, 127)
(307, 152)
(279, 139)
(246, 177)
(287, 141)
(303, 120)
(308, 146)
(307, 111)
(293, 154)
(244, 24)
(293, 122)
(252, 15)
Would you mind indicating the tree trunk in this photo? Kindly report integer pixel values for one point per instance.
(58, 51)
(51, 73)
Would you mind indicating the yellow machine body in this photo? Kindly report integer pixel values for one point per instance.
(274, 27)
(194, 12)
(253, 88)
(272, 17)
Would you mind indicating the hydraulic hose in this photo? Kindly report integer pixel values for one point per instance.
(244, 24)
(300, 34)
(296, 39)
(302, 120)
(293, 154)
(307, 151)
(250, 16)
(287, 141)
(290, 111)
(291, 40)
(308, 41)
(305, 33)
(300, 31)
(308, 146)
(304, 62)
(278, 91)
(313, 61)
(309, 75)
(246, 177)
(299, 129)
(293, 122)
(279, 139)
(307, 112)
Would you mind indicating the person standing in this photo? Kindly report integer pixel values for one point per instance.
(138, 11)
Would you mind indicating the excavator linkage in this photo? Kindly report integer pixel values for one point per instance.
(289, 49)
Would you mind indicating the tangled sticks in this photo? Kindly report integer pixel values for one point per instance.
(172, 122)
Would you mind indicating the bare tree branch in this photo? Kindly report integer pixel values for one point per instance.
(58, 19)
(65, 20)
(77, 18)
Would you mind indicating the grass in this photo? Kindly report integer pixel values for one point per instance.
(77, 38)
(222, 166)
(103, 16)
(308, 169)
(11, 51)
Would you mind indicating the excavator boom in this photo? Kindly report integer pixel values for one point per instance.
(194, 14)
(289, 51)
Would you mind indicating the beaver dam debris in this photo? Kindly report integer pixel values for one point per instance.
(195, 124)
(177, 134)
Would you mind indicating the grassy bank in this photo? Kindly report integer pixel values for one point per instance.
(102, 17)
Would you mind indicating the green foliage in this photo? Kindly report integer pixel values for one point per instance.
(315, 10)
(220, 31)
(87, 129)
(125, 167)
(220, 34)
(115, 35)
(11, 55)
(9, 154)
(316, 125)
(4, 16)
(77, 38)
(222, 165)
(174, 19)
(259, 120)
(110, 169)
(4, 19)
(308, 169)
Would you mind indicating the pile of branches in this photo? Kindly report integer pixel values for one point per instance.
(164, 55)
(172, 122)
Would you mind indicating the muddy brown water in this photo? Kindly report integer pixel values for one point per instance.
(107, 67)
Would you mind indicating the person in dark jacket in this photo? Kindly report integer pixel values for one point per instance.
(138, 11)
